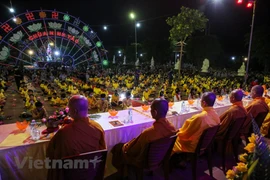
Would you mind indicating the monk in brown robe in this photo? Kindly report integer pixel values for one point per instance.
(81, 136)
(236, 111)
(257, 106)
(133, 152)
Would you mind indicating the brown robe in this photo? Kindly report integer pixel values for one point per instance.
(236, 111)
(133, 152)
(257, 106)
(75, 138)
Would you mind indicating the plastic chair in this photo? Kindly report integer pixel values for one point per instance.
(259, 120)
(204, 146)
(232, 135)
(158, 155)
(90, 166)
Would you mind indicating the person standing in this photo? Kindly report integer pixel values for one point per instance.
(18, 77)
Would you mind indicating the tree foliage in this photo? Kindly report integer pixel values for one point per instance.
(186, 23)
(260, 49)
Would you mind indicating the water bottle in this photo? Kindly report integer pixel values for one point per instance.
(35, 133)
(32, 124)
(183, 107)
(199, 103)
(130, 115)
(227, 98)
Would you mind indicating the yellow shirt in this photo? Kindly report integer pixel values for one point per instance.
(115, 85)
(97, 90)
(2, 96)
(55, 100)
(146, 95)
(63, 102)
(30, 105)
(115, 98)
(92, 101)
(190, 133)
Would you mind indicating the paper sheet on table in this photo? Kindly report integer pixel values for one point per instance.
(15, 140)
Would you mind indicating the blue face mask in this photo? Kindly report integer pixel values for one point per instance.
(102, 98)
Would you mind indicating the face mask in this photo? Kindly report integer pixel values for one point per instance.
(103, 99)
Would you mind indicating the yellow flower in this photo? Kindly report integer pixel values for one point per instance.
(230, 174)
(250, 147)
(242, 157)
(252, 139)
(241, 167)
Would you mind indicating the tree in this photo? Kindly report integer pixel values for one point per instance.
(260, 49)
(184, 25)
(201, 47)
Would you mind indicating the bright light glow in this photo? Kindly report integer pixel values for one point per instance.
(11, 10)
(141, 55)
(91, 32)
(122, 96)
(138, 25)
(233, 58)
(105, 28)
(119, 52)
(120, 55)
(57, 53)
(245, 58)
(14, 19)
(239, 1)
(30, 52)
(132, 15)
(51, 44)
(177, 55)
(249, 5)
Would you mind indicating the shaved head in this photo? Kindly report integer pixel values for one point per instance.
(209, 98)
(237, 94)
(257, 91)
(78, 106)
(159, 109)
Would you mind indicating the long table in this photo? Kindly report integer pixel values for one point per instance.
(177, 116)
(113, 135)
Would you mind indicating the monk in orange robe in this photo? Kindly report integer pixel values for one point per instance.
(133, 152)
(266, 123)
(236, 111)
(189, 135)
(257, 106)
(81, 136)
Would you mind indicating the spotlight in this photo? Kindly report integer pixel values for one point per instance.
(57, 53)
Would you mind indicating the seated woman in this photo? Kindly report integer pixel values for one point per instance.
(127, 102)
(30, 104)
(54, 100)
(64, 100)
(115, 99)
(39, 112)
(92, 101)
(102, 103)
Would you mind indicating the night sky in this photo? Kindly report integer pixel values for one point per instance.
(229, 21)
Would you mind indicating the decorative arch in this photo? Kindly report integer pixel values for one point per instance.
(49, 36)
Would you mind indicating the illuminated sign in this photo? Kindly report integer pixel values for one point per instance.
(53, 33)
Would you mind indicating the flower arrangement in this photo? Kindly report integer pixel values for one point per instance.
(58, 117)
(247, 159)
(255, 163)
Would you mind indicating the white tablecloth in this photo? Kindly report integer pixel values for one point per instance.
(178, 120)
(113, 135)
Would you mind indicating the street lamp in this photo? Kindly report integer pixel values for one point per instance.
(11, 10)
(249, 5)
(133, 16)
